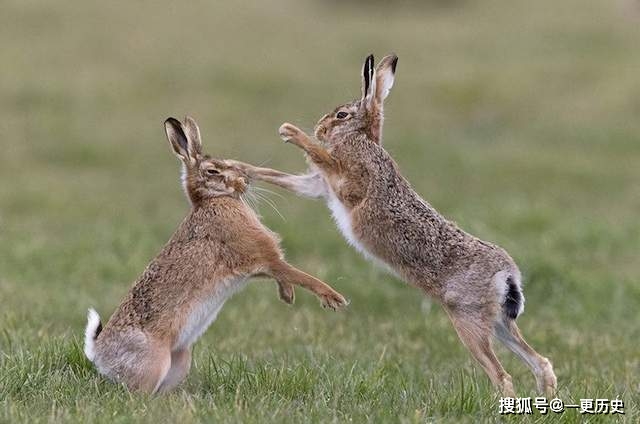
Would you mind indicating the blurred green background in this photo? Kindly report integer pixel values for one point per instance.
(517, 119)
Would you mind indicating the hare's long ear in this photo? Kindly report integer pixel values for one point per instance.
(382, 81)
(192, 132)
(368, 81)
(385, 75)
(178, 139)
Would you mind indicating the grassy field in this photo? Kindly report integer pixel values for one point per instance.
(519, 120)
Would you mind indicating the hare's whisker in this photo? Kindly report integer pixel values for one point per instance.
(266, 190)
(264, 162)
(270, 203)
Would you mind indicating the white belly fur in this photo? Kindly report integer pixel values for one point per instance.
(342, 217)
(204, 313)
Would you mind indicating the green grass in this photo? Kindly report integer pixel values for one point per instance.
(519, 120)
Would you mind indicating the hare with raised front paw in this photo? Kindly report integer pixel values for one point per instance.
(220, 244)
(381, 215)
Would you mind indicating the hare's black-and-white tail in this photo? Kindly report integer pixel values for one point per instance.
(91, 332)
(513, 303)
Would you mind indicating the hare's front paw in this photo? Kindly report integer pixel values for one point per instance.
(333, 300)
(286, 292)
(235, 163)
(290, 133)
(244, 167)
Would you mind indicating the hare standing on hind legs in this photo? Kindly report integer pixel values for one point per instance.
(381, 215)
(221, 243)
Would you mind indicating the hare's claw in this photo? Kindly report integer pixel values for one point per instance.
(334, 301)
(286, 293)
(247, 169)
(289, 133)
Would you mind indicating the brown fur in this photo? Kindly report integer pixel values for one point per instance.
(393, 224)
(221, 242)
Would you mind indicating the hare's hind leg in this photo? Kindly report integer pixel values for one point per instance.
(475, 332)
(135, 360)
(507, 332)
(148, 370)
(153, 371)
(180, 366)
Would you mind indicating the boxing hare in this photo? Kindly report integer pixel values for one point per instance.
(380, 214)
(147, 342)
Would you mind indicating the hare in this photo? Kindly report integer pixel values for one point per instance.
(147, 342)
(380, 214)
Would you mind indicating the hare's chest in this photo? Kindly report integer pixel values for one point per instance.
(202, 313)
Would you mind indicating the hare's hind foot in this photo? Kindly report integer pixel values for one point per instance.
(508, 333)
(180, 366)
(549, 381)
(475, 332)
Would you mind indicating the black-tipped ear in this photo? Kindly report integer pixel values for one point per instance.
(177, 138)
(367, 76)
(385, 76)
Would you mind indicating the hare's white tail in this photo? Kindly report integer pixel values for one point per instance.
(94, 327)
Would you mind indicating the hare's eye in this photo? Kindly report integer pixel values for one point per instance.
(213, 171)
(341, 115)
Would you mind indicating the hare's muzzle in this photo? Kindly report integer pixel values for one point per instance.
(240, 184)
